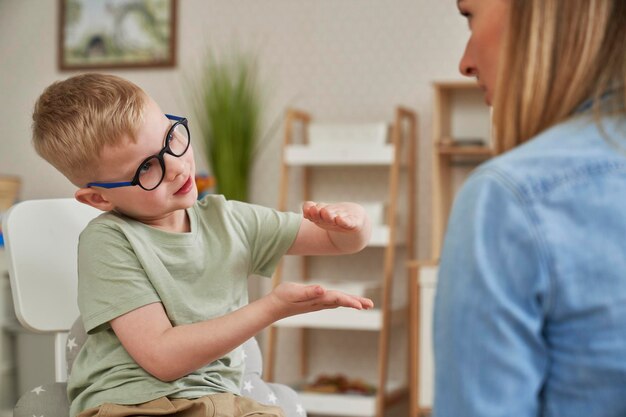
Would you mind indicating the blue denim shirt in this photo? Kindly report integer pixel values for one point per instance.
(530, 314)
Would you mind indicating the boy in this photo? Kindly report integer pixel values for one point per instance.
(162, 277)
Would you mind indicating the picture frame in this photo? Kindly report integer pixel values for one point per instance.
(97, 34)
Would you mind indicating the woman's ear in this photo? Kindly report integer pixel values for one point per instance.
(93, 197)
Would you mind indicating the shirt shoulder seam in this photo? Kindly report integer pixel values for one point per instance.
(543, 248)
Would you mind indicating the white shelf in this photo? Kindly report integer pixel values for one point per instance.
(342, 319)
(380, 237)
(426, 365)
(321, 155)
(351, 134)
(353, 148)
(428, 276)
(343, 404)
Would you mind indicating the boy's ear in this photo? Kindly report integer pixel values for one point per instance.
(93, 197)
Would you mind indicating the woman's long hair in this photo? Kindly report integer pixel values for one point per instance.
(556, 55)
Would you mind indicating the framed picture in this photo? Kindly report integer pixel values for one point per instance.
(100, 34)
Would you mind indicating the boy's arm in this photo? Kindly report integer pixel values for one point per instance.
(331, 229)
(169, 352)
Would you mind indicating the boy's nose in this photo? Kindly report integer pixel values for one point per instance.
(174, 166)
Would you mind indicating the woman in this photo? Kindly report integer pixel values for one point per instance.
(530, 316)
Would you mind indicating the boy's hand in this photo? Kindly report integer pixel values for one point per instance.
(339, 217)
(331, 229)
(290, 298)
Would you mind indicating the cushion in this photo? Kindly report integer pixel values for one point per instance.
(51, 400)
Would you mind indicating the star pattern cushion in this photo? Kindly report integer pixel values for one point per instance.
(50, 400)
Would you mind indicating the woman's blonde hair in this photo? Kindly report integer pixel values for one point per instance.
(556, 55)
(75, 118)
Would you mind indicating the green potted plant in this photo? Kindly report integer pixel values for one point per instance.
(227, 102)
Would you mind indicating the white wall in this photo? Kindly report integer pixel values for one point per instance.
(342, 60)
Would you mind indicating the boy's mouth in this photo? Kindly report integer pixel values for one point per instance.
(186, 187)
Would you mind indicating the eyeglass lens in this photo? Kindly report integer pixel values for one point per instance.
(179, 141)
(151, 172)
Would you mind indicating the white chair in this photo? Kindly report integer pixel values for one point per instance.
(41, 244)
(41, 248)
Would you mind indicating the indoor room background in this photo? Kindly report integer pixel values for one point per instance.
(340, 60)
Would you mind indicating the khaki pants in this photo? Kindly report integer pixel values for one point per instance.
(217, 405)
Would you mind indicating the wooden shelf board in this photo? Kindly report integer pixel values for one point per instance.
(424, 411)
(342, 319)
(344, 404)
(333, 155)
(473, 150)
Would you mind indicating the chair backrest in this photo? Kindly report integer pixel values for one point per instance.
(41, 243)
(41, 246)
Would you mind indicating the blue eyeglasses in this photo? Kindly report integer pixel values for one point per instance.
(151, 171)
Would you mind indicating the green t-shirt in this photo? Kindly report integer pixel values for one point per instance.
(124, 264)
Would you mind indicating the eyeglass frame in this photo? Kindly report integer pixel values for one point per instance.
(160, 157)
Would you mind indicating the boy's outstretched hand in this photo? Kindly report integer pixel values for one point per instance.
(290, 298)
(331, 229)
(339, 217)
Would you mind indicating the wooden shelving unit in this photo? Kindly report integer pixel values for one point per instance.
(456, 150)
(397, 156)
(349, 405)
(462, 137)
(422, 284)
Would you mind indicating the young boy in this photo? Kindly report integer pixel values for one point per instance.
(162, 277)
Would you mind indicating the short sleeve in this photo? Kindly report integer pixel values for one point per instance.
(492, 296)
(270, 234)
(111, 280)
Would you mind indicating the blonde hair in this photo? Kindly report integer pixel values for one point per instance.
(556, 55)
(75, 119)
